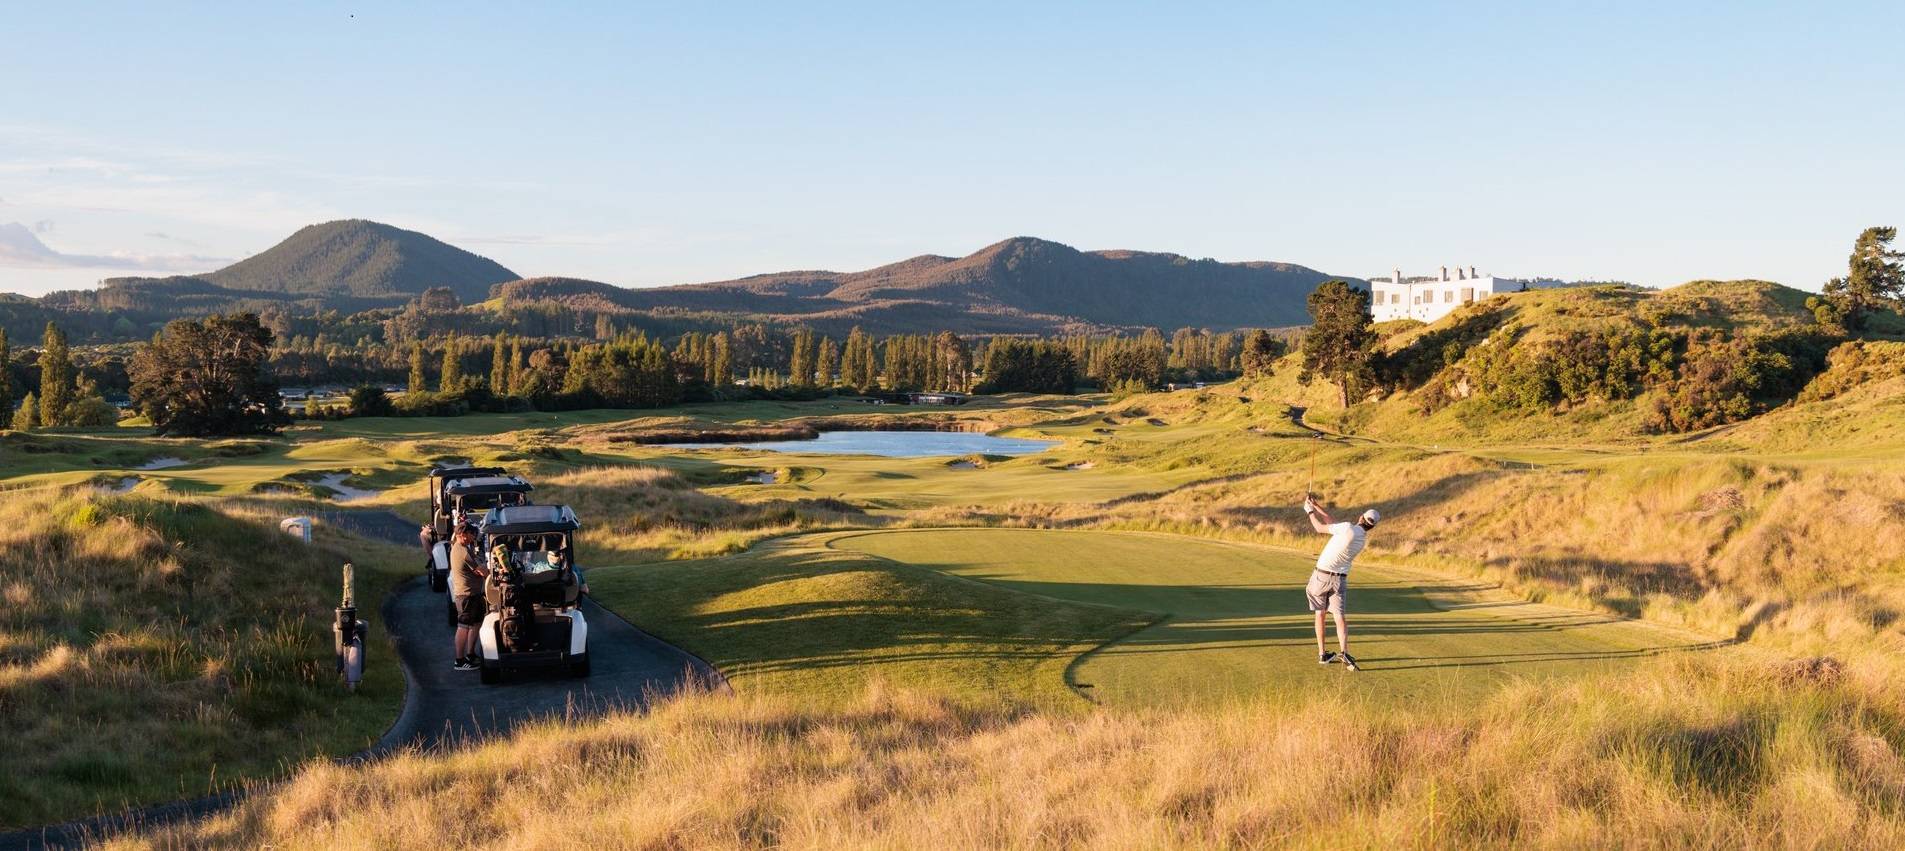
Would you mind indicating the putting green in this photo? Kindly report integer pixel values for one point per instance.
(1235, 623)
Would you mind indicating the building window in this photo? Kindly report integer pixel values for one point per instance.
(1395, 298)
(1468, 294)
(1448, 296)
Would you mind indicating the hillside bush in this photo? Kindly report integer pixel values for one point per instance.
(1724, 380)
(1853, 363)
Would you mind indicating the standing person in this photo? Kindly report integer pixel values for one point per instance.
(1330, 583)
(466, 592)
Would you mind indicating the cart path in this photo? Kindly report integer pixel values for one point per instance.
(445, 707)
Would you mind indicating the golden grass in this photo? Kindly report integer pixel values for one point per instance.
(153, 648)
(1692, 753)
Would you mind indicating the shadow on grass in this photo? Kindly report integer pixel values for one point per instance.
(805, 610)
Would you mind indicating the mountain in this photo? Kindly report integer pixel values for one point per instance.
(1019, 285)
(357, 258)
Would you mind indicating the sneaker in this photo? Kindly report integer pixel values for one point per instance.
(464, 665)
(1349, 662)
(1326, 657)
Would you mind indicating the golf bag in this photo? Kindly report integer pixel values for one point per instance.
(516, 614)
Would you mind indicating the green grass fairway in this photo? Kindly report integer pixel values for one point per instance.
(1237, 625)
(795, 617)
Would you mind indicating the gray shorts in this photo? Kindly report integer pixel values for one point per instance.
(1326, 591)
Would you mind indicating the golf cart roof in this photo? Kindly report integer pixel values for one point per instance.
(487, 484)
(530, 520)
(464, 472)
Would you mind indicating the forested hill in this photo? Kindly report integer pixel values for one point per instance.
(357, 258)
(1020, 285)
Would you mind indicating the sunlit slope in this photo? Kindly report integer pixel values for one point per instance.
(155, 648)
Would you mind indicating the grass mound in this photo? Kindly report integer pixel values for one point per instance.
(151, 648)
(796, 617)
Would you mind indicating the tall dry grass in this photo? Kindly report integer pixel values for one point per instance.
(1688, 753)
(153, 648)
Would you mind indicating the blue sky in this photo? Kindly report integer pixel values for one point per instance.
(651, 144)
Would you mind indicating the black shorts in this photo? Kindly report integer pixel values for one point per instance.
(470, 609)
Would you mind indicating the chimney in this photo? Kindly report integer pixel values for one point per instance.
(1460, 275)
(1445, 273)
(1398, 277)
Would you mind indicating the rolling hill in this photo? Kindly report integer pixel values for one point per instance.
(354, 257)
(1019, 285)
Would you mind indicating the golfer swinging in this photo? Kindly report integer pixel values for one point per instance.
(1330, 582)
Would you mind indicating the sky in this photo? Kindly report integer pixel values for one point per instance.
(647, 144)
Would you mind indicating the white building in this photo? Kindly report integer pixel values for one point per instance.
(1433, 297)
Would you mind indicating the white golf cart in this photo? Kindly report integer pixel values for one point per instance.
(534, 590)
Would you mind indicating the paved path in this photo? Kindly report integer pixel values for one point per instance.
(443, 706)
(629, 667)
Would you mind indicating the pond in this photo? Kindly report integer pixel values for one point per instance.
(894, 444)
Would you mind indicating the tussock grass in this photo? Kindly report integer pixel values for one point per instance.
(156, 648)
(1686, 753)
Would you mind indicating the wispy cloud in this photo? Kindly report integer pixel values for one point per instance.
(21, 248)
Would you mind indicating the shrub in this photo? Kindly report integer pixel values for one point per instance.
(369, 400)
(1726, 380)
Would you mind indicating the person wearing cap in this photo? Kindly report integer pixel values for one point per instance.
(466, 592)
(1330, 582)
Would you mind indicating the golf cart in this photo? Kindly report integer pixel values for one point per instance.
(436, 561)
(466, 500)
(533, 590)
(440, 478)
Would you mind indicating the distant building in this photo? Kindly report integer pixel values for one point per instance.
(1432, 297)
(936, 398)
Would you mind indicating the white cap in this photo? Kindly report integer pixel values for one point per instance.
(1372, 516)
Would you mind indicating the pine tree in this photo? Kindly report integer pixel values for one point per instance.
(827, 363)
(1339, 346)
(416, 368)
(498, 367)
(800, 361)
(451, 378)
(28, 417)
(721, 369)
(1875, 276)
(514, 382)
(56, 377)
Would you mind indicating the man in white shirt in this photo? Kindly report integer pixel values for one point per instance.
(1330, 582)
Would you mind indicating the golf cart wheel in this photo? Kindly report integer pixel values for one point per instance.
(438, 582)
(490, 674)
(579, 665)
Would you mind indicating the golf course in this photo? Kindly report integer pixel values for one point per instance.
(1102, 613)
